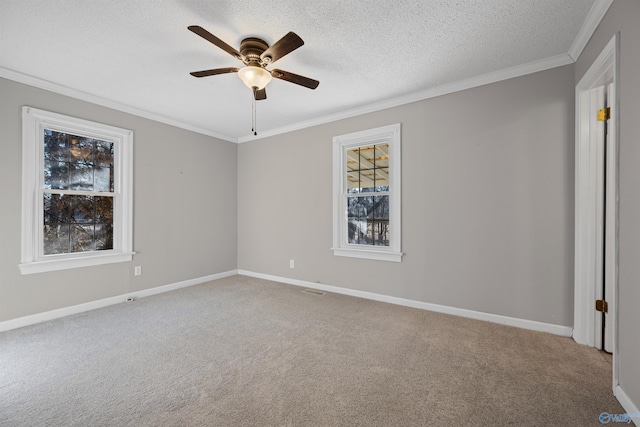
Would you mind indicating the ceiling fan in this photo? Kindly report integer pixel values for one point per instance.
(256, 55)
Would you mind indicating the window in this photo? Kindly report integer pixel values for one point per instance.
(366, 191)
(76, 192)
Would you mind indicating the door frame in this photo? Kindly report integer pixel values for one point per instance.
(603, 71)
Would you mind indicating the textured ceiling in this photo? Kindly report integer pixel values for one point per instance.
(137, 55)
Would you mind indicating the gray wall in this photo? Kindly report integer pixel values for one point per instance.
(487, 215)
(185, 208)
(487, 201)
(623, 17)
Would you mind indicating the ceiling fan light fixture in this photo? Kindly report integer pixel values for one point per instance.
(254, 76)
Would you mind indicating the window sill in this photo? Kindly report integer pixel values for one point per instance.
(369, 254)
(76, 262)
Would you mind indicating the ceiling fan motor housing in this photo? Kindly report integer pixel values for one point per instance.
(251, 48)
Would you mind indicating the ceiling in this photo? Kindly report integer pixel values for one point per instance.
(136, 55)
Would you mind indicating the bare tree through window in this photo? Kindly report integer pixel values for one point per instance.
(367, 181)
(78, 193)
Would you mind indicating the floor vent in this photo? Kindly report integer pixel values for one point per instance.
(313, 292)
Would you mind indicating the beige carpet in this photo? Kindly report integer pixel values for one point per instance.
(248, 352)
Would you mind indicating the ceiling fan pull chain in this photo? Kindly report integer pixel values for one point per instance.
(253, 116)
(253, 119)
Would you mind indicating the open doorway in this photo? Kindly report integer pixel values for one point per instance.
(596, 205)
(601, 144)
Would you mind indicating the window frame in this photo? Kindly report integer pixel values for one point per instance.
(34, 122)
(390, 134)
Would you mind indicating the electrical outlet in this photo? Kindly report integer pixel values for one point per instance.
(291, 264)
(138, 270)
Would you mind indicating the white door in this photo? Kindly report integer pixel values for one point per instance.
(610, 222)
(598, 151)
(587, 256)
(604, 155)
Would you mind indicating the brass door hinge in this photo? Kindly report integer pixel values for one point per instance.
(604, 114)
(602, 306)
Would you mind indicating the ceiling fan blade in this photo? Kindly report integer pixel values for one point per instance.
(213, 72)
(216, 41)
(260, 94)
(282, 47)
(295, 78)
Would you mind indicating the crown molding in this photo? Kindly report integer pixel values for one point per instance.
(597, 12)
(506, 74)
(104, 102)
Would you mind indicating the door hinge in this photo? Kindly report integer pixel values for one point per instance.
(601, 305)
(604, 114)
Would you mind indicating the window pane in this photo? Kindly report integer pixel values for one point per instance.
(56, 209)
(56, 224)
(81, 176)
(104, 223)
(82, 237)
(103, 153)
(367, 168)
(103, 179)
(56, 145)
(381, 207)
(360, 213)
(56, 175)
(103, 158)
(103, 237)
(82, 209)
(77, 223)
(104, 210)
(360, 207)
(357, 232)
(77, 163)
(56, 239)
(368, 220)
(368, 216)
(380, 223)
(81, 148)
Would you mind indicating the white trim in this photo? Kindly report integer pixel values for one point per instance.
(367, 253)
(627, 405)
(81, 260)
(533, 325)
(599, 73)
(34, 122)
(602, 68)
(589, 26)
(92, 305)
(611, 223)
(390, 134)
(98, 100)
(493, 77)
(596, 189)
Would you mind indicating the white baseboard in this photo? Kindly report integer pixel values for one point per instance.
(631, 409)
(478, 315)
(533, 325)
(92, 305)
